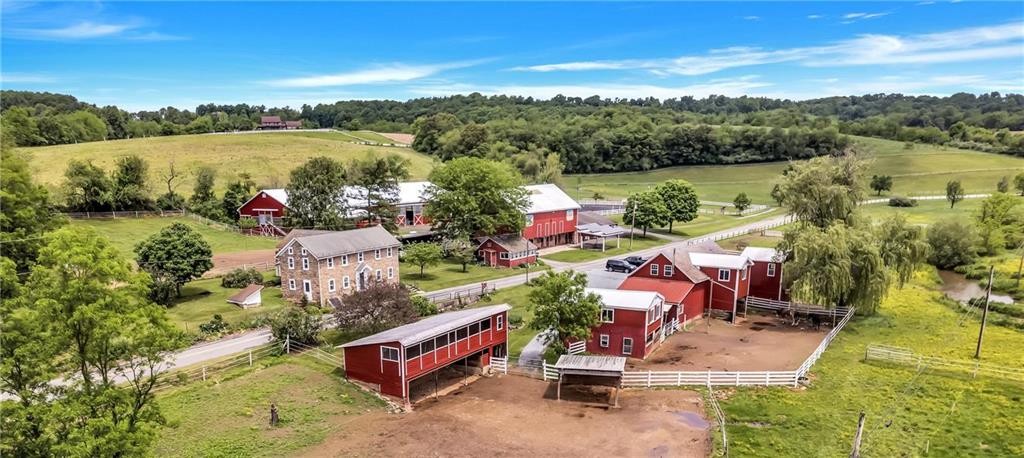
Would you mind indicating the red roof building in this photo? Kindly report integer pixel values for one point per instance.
(271, 123)
(394, 360)
(509, 250)
(683, 285)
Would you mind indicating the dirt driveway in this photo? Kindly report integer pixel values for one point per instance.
(225, 262)
(757, 343)
(518, 416)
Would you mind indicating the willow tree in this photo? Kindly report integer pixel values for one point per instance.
(824, 190)
(839, 266)
(903, 246)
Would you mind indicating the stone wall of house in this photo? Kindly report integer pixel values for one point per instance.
(321, 272)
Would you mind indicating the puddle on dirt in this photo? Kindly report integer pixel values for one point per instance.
(661, 450)
(756, 328)
(692, 419)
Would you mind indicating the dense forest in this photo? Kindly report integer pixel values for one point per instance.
(583, 134)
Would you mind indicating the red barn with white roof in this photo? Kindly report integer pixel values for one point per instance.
(631, 323)
(683, 285)
(551, 217)
(730, 278)
(392, 360)
(765, 273)
(266, 205)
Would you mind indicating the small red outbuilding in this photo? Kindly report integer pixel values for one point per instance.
(392, 360)
(508, 250)
(631, 323)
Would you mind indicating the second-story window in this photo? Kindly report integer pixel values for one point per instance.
(359, 257)
(291, 263)
(305, 263)
(376, 254)
(330, 263)
(771, 269)
(568, 214)
(668, 270)
(654, 269)
(723, 274)
(390, 251)
(344, 260)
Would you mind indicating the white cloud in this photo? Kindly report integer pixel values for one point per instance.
(961, 45)
(79, 31)
(392, 73)
(728, 87)
(7, 78)
(863, 15)
(752, 18)
(814, 16)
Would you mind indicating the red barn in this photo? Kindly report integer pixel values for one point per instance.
(508, 250)
(393, 360)
(631, 323)
(730, 278)
(765, 273)
(683, 285)
(551, 217)
(267, 205)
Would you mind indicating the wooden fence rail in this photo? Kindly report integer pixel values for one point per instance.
(905, 356)
(772, 304)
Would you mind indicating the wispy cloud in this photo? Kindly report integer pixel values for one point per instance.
(752, 18)
(392, 73)
(863, 15)
(961, 45)
(814, 16)
(728, 87)
(79, 31)
(9, 78)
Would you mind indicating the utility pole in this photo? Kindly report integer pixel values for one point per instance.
(984, 315)
(632, 226)
(1020, 267)
(855, 453)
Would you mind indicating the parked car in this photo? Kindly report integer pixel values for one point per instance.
(637, 261)
(618, 265)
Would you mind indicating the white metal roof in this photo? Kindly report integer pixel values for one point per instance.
(760, 254)
(431, 326)
(724, 261)
(626, 299)
(548, 198)
(591, 365)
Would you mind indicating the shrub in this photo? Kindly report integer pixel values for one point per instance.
(240, 278)
(953, 243)
(246, 222)
(900, 201)
(214, 326)
(297, 324)
(423, 306)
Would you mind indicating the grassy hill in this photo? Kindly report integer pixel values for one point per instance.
(268, 157)
(925, 169)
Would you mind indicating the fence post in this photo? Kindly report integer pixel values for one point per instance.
(679, 378)
(204, 373)
(250, 358)
(648, 379)
(709, 377)
(287, 344)
(737, 379)
(767, 378)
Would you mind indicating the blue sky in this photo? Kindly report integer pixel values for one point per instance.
(145, 55)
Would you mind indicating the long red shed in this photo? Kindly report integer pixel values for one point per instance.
(392, 360)
(508, 250)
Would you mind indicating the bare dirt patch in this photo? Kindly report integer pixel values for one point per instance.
(225, 262)
(517, 416)
(400, 138)
(757, 343)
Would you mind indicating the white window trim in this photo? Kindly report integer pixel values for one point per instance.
(654, 269)
(608, 310)
(346, 282)
(383, 358)
(305, 263)
(330, 285)
(390, 250)
(378, 275)
(668, 271)
(504, 255)
(391, 272)
(359, 257)
(291, 251)
(743, 274)
(604, 340)
(291, 263)
(771, 269)
(726, 273)
(291, 284)
(624, 345)
(569, 213)
(500, 323)
(376, 254)
(344, 260)
(330, 263)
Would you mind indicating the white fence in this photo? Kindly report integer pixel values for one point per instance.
(728, 235)
(720, 418)
(549, 372)
(499, 364)
(207, 370)
(651, 379)
(125, 214)
(934, 197)
(577, 347)
(771, 304)
(899, 355)
(460, 296)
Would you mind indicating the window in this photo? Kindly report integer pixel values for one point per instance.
(485, 325)
(568, 214)
(529, 220)
(427, 347)
(389, 354)
(654, 269)
(654, 313)
(291, 284)
(391, 272)
(359, 257)
(344, 260)
(503, 255)
(303, 251)
(668, 270)
(389, 251)
(441, 341)
(608, 315)
(650, 338)
(291, 250)
(305, 263)
(330, 263)
(474, 329)
(412, 352)
(377, 275)
(462, 333)
(723, 274)
(771, 269)
(627, 345)
(346, 283)
(451, 337)
(376, 254)
(604, 340)
(500, 323)
(330, 285)
(291, 263)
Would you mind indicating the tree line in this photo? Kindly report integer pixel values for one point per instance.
(983, 122)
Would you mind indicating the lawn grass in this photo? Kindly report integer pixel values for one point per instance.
(201, 299)
(590, 254)
(704, 223)
(449, 273)
(125, 233)
(267, 157)
(946, 414)
(228, 416)
(926, 211)
(923, 170)
(755, 240)
(519, 316)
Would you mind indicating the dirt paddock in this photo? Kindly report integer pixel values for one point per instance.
(226, 262)
(518, 416)
(755, 343)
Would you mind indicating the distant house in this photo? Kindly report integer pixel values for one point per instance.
(250, 296)
(271, 123)
(324, 267)
(507, 250)
(292, 124)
